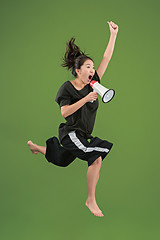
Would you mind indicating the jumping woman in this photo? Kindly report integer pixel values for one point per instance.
(78, 105)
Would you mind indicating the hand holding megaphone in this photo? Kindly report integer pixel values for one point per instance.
(105, 93)
(92, 96)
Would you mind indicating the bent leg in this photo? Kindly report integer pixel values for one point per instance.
(57, 154)
(35, 148)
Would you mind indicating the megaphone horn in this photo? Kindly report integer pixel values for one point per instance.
(105, 93)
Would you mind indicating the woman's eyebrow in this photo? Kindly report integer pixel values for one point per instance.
(89, 64)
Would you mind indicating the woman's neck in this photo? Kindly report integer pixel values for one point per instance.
(79, 83)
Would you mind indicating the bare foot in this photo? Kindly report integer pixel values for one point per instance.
(93, 207)
(32, 147)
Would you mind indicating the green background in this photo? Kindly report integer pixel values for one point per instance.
(40, 200)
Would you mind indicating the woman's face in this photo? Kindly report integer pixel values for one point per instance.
(86, 72)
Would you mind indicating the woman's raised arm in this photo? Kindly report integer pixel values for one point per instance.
(109, 50)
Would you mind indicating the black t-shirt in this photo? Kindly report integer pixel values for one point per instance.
(83, 119)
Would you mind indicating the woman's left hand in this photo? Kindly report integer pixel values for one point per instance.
(113, 27)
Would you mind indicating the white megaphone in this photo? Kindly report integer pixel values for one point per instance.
(105, 93)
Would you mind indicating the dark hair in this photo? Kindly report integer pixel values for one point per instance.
(74, 57)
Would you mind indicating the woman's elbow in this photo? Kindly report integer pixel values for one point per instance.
(63, 111)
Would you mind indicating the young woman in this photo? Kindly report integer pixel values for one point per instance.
(78, 105)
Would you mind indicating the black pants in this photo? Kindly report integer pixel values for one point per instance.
(76, 146)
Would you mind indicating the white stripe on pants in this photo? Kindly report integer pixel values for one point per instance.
(80, 145)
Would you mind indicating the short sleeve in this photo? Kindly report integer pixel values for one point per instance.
(96, 77)
(63, 97)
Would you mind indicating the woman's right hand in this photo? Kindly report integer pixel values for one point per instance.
(92, 96)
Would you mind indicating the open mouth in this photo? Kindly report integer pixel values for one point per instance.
(90, 77)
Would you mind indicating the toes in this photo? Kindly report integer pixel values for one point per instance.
(29, 143)
(99, 214)
(34, 151)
